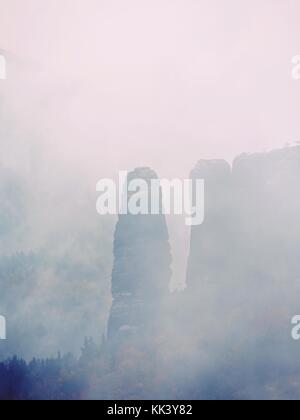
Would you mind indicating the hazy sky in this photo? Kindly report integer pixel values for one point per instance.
(161, 82)
(112, 84)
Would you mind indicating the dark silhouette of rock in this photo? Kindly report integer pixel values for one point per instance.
(209, 246)
(243, 277)
(141, 272)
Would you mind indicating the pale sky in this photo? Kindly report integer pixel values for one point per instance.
(115, 84)
(163, 82)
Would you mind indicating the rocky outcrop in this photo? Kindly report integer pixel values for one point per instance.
(209, 247)
(141, 272)
(244, 271)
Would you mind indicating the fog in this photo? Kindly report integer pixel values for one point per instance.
(108, 86)
(140, 81)
(99, 86)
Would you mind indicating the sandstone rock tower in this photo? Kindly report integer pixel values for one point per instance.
(209, 241)
(244, 259)
(141, 272)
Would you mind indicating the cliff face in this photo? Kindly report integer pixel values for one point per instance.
(208, 255)
(244, 270)
(266, 212)
(141, 272)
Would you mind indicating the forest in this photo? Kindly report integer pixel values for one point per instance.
(60, 378)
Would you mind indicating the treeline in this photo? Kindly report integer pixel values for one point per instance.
(100, 373)
(60, 378)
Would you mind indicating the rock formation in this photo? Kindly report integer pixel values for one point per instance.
(209, 241)
(141, 272)
(243, 277)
